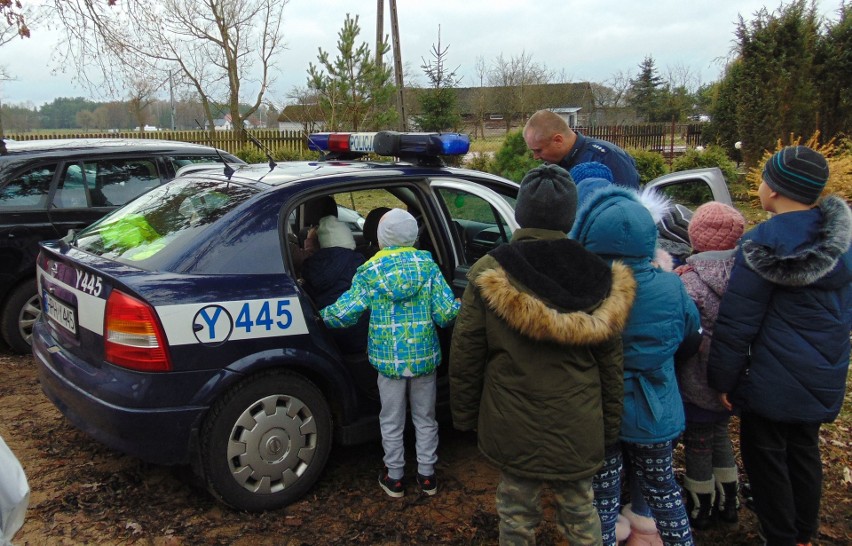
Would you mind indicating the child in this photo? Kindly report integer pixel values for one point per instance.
(711, 471)
(406, 295)
(535, 363)
(614, 224)
(780, 351)
(328, 273)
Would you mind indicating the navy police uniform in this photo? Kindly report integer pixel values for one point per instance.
(587, 149)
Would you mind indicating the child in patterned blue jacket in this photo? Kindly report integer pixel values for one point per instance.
(407, 295)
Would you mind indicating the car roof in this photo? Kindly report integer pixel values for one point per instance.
(290, 171)
(80, 146)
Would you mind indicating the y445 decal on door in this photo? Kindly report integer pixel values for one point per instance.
(217, 322)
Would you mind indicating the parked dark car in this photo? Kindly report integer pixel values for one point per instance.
(50, 186)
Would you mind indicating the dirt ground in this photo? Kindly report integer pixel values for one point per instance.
(83, 493)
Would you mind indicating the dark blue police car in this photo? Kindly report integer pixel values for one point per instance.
(176, 329)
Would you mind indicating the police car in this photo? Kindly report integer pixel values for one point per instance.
(176, 329)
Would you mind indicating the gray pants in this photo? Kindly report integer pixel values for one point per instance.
(419, 392)
(519, 509)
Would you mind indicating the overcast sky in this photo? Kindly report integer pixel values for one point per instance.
(577, 40)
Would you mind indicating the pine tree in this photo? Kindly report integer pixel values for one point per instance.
(645, 91)
(355, 92)
(438, 102)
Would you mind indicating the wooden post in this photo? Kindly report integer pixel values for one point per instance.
(397, 61)
(380, 30)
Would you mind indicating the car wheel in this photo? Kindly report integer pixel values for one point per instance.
(265, 442)
(22, 310)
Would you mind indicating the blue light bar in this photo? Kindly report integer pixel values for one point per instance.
(318, 142)
(420, 144)
(391, 143)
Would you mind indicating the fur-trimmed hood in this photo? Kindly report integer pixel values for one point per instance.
(802, 248)
(554, 290)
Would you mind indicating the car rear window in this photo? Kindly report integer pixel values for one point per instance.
(161, 219)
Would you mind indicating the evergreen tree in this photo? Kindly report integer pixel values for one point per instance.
(438, 102)
(776, 92)
(354, 92)
(834, 75)
(645, 91)
(722, 129)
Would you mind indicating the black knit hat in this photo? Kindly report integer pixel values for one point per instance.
(797, 172)
(547, 199)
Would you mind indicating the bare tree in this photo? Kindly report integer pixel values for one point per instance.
(305, 109)
(517, 77)
(619, 83)
(13, 20)
(216, 45)
(141, 97)
(604, 96)
(681, 76)
(480, 96)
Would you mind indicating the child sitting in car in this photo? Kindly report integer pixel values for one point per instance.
(328, 272)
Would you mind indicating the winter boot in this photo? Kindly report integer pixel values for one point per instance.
(727, 502)
(643, 530)
(699, 502)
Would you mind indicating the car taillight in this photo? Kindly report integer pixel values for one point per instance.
(133, 337)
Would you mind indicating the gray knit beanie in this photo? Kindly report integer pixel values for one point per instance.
(547, 199)
(797, 172)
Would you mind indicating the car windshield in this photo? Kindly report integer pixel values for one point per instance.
(161, 217)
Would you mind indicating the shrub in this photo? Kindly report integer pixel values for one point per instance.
(250, 154)
(287, 154)
(513, 159)
(480, 161)
(649, 164)
(838, 153)
(712, 156)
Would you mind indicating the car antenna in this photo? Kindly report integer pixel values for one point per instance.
(260, 145)
(229, 171)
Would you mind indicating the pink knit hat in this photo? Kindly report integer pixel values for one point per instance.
(715, 226)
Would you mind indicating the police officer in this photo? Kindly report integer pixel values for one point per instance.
(550, 139)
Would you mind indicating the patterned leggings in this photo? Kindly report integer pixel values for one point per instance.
(653, 467)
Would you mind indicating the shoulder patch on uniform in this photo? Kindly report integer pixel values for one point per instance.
(599, 148)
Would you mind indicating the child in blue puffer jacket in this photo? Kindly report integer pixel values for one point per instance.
(780, 351)
(616, 225)
(407, 295)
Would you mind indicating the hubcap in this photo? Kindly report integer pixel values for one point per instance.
(272, 444)
(29, 314)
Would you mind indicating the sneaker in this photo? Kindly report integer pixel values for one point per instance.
(429, 484)
(394, 488)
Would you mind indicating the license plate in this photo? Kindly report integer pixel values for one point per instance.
(60, 313)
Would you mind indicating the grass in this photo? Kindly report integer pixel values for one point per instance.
(486, 145)
(365, 201)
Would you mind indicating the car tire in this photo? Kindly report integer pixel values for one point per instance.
(20, 313)
(266, 442)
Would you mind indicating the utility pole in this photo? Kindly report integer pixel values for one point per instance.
(397, 61)
(172, 99)
(380, 30)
